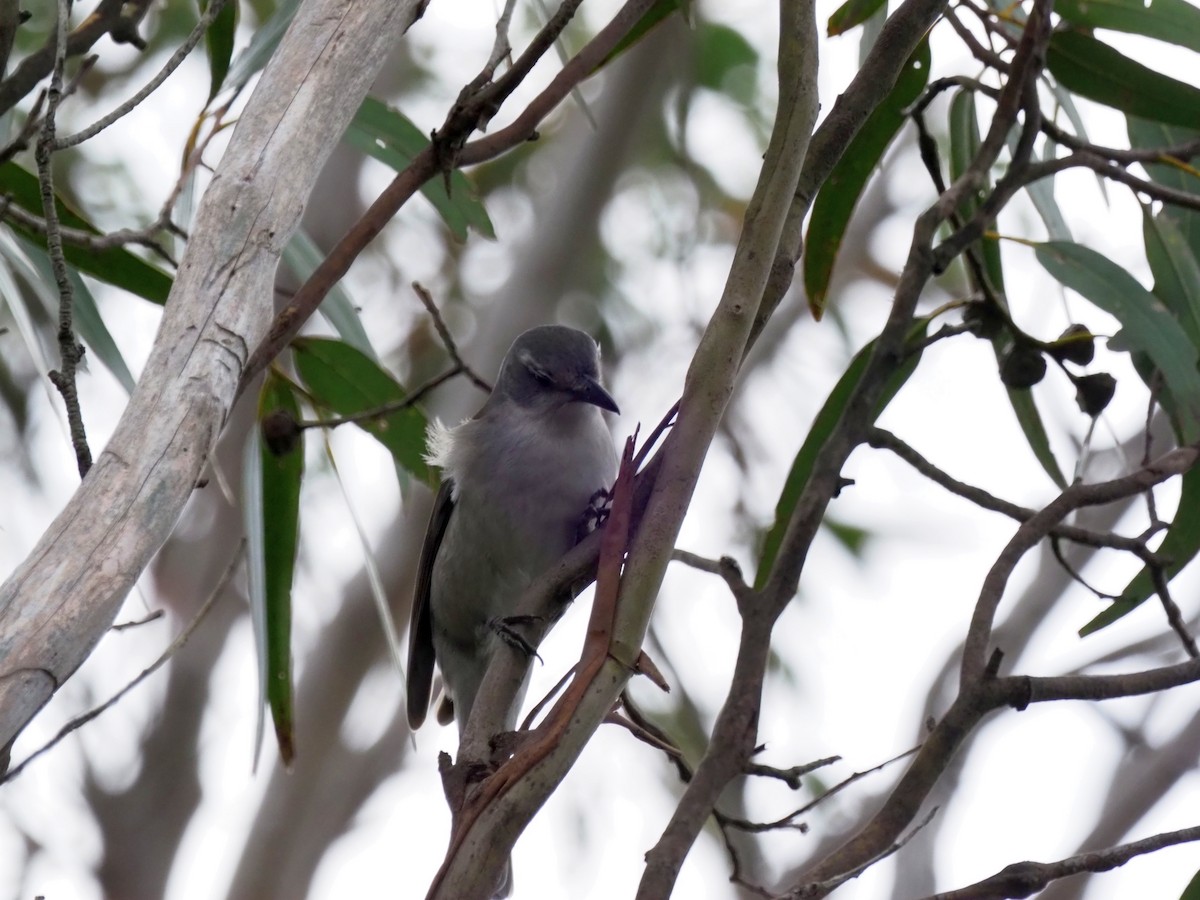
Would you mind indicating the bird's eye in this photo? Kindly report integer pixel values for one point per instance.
(534, 368)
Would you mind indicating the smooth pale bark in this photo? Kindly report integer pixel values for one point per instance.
(62, 599)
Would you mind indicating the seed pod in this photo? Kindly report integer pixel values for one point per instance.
(1094, 392)
(1075, 345)
(280, 432)
(983, 319)
(1022, 366)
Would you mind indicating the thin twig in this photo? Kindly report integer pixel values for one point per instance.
(432, 160)
(659, 430)
(788, 821)
(210, 15)
(86, 239)
(70, 350)
(880, 438)
(501, 48)
(821, 888)
(385, 409)
(135, 623)
(447, 338)
(78, 722)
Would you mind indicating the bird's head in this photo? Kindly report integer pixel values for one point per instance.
(550, 366)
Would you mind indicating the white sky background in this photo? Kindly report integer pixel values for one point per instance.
(865, 639)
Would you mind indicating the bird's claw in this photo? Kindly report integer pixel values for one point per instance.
(596, 513)
(505, 629)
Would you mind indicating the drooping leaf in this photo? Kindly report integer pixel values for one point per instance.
(837, 198)
(1192, 891)
(262, 45)
(964, 145)
(344, 381)
(1041, 192)
(393, 139)
(1030, 420)
(1147, 325)
(824, 423)
(89, 325)
(218, 42)
(1176, 271)
(1173, 21)
(1093, 69)
(644, 26)
(850, 14)
(302, 257)
(719, 52)
(1180, 545)
(378, 592)
(271, 510)
(114, 265)
(1182, 175)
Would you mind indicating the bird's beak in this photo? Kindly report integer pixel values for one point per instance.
(589, 390)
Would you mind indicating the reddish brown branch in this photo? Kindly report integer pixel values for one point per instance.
(427, 164)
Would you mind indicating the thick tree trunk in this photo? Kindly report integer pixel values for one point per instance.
(61, 600)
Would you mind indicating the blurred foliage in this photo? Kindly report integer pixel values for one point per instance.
(341, 379)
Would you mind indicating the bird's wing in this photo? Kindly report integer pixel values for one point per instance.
(420, 628)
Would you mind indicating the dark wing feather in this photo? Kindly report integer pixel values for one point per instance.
(420, 628)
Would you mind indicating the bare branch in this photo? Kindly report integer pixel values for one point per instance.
(118, 18)
(1025, 879)
(1077, 495)
(79, 721)
(69, 348)
(448, 339)
(430, 161)
(210, 15)
(882, 439)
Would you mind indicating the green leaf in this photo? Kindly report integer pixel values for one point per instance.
(1095, 70)
(824, 423)
(1192, 891)
(1146, 323)
(964, 145)
(1180, 546)
(345, 381)
(302, 256)
(114, 265)
(272, 513)
(1032, 426)
(1176, 272)
(1144, 134)
(32, 265)
(262, 45)
(218, 42)
(719, 52)
(644, 26)
(839, 195)
(1180, 175)
(88, 323)
(390, 137)
(1041, 192)
(1173, 21)
(850, 14)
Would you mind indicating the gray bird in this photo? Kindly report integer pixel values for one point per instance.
(517, 481)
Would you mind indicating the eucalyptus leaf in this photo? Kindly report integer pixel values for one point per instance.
(1147, 324)
(345, 381)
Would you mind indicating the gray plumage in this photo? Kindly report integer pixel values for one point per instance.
(516, 484)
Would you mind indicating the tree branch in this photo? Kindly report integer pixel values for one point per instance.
(61, 600)
(1025, 879)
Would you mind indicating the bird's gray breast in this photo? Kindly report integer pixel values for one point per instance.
(523, 483)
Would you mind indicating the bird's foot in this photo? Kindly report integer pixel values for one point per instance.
(506, 629)
(595, 514)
